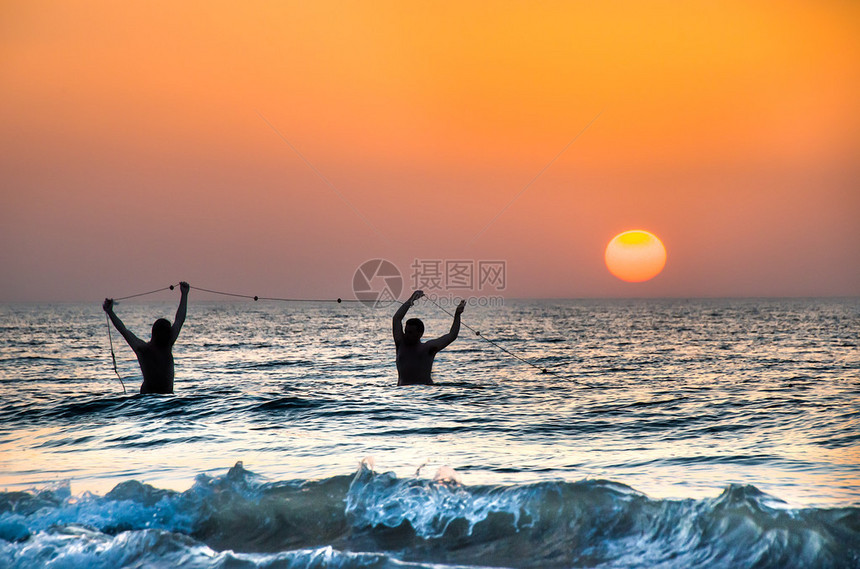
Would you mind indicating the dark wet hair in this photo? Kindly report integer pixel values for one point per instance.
(161, 333)
(416, 322)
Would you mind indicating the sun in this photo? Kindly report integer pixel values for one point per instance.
(635, 256)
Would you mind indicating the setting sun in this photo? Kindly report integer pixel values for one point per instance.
(635, 256)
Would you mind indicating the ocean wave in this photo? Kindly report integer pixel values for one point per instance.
(241, 520)
(76, 546)
(117, 407)
(289, 404)
(273, 364)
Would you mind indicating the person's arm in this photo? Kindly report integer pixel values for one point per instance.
(180, 311)
(132, 340)
(442, 342)
(397, 322)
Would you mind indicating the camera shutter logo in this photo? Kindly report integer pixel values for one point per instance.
(377, 283)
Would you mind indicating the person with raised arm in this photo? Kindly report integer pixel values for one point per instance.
(414, 357)
(155, 356)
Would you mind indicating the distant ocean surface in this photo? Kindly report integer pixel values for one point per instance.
(672, 434)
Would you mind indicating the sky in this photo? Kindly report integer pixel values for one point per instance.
(271, 148)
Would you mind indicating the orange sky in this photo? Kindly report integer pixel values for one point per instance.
(135, 148)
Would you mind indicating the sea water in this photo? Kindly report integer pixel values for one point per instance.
(669, 433)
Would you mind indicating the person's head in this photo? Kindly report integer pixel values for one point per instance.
(413, 330)
(161, 332)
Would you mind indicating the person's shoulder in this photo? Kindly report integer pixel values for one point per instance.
(150, 348)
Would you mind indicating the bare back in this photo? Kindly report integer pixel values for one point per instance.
(415, 363)
(156, 365)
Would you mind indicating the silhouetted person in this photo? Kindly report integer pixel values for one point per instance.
(415, 358)
(156, 356)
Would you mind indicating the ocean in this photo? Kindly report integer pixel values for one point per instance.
(669, 433)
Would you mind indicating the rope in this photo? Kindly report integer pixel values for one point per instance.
(496, 344)
(236, 295)
(112, 354)
(275, 298)
(171, 287)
